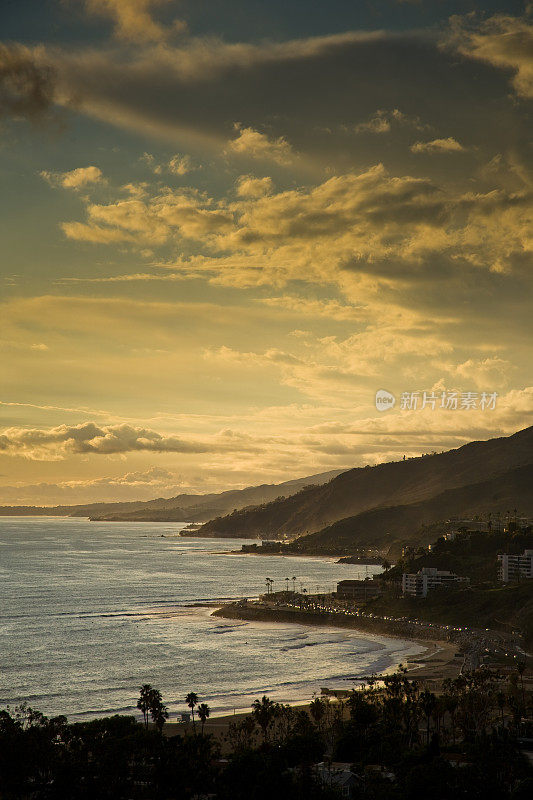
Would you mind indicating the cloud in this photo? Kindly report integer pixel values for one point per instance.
(253, 144)
(449, 145)
(74, 179)
(27, 88)
(489, 373)
(383, 121)
(504, 42)
(398, 229)
(305, 86)
(136, 485)
(185, 213)
(301, 306)
(178, 164)
(94, 439)
(248, 186)
(339, 367)
(133, 19)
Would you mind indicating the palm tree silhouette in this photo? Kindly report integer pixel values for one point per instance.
(264, 711)
(192, 700)
(144, 702)
(203, 713)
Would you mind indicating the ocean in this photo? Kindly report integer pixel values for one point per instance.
(90, 611)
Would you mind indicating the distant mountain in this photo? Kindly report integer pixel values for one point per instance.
(389, 503)
(182, 508)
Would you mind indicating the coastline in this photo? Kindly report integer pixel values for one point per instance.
(429, 637)
(436, 662)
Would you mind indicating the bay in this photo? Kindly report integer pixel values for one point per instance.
(89, 611)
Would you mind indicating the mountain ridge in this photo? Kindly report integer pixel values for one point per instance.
(397, 484)
(180, 508)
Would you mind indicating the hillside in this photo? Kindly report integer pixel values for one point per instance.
(485, 602)
(395, 526)
(388, 503)
(499, 607)
(182, 508)
(473, 554)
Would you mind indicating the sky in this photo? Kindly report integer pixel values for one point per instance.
(227, 224)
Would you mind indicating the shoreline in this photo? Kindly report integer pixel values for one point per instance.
(280, 555)
(429, 667)
(429, 637)
(435, 659)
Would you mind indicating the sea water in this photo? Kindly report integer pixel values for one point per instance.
(89, 611)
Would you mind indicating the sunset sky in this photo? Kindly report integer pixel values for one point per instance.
(226, 224)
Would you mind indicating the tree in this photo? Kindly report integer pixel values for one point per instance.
(158, 710)
(192, 701)
(151, 703)
(264, 711)
(144, 701)
(428, 701)
(317, 709)
(203, 713)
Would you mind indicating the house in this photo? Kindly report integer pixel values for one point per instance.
(339, 776)
(429, 578)
(358, 591)
(515, 567)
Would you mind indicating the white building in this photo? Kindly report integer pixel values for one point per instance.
(515, 568)
(420, 583)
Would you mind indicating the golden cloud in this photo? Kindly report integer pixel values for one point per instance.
(390, 228)
(449, 145)
(253, 144)
(384, 121)
(132, 18)
(94, 439)
(249, 186)
(505, 42)
(74, 179)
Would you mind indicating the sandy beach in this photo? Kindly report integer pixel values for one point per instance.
(429, 668)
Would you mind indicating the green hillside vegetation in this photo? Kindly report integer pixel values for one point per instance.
(499, 607)
(473, 554)
(484, 604)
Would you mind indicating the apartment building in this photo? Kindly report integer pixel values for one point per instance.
(513, 568)
(428, 578)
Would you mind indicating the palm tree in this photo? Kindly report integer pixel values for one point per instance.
(287, 584)
(428, 702)
(158, 709)
(317, 709)
(192, 701)
(264, 711)
(145, 701)
(203, 713)
(293, 579)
